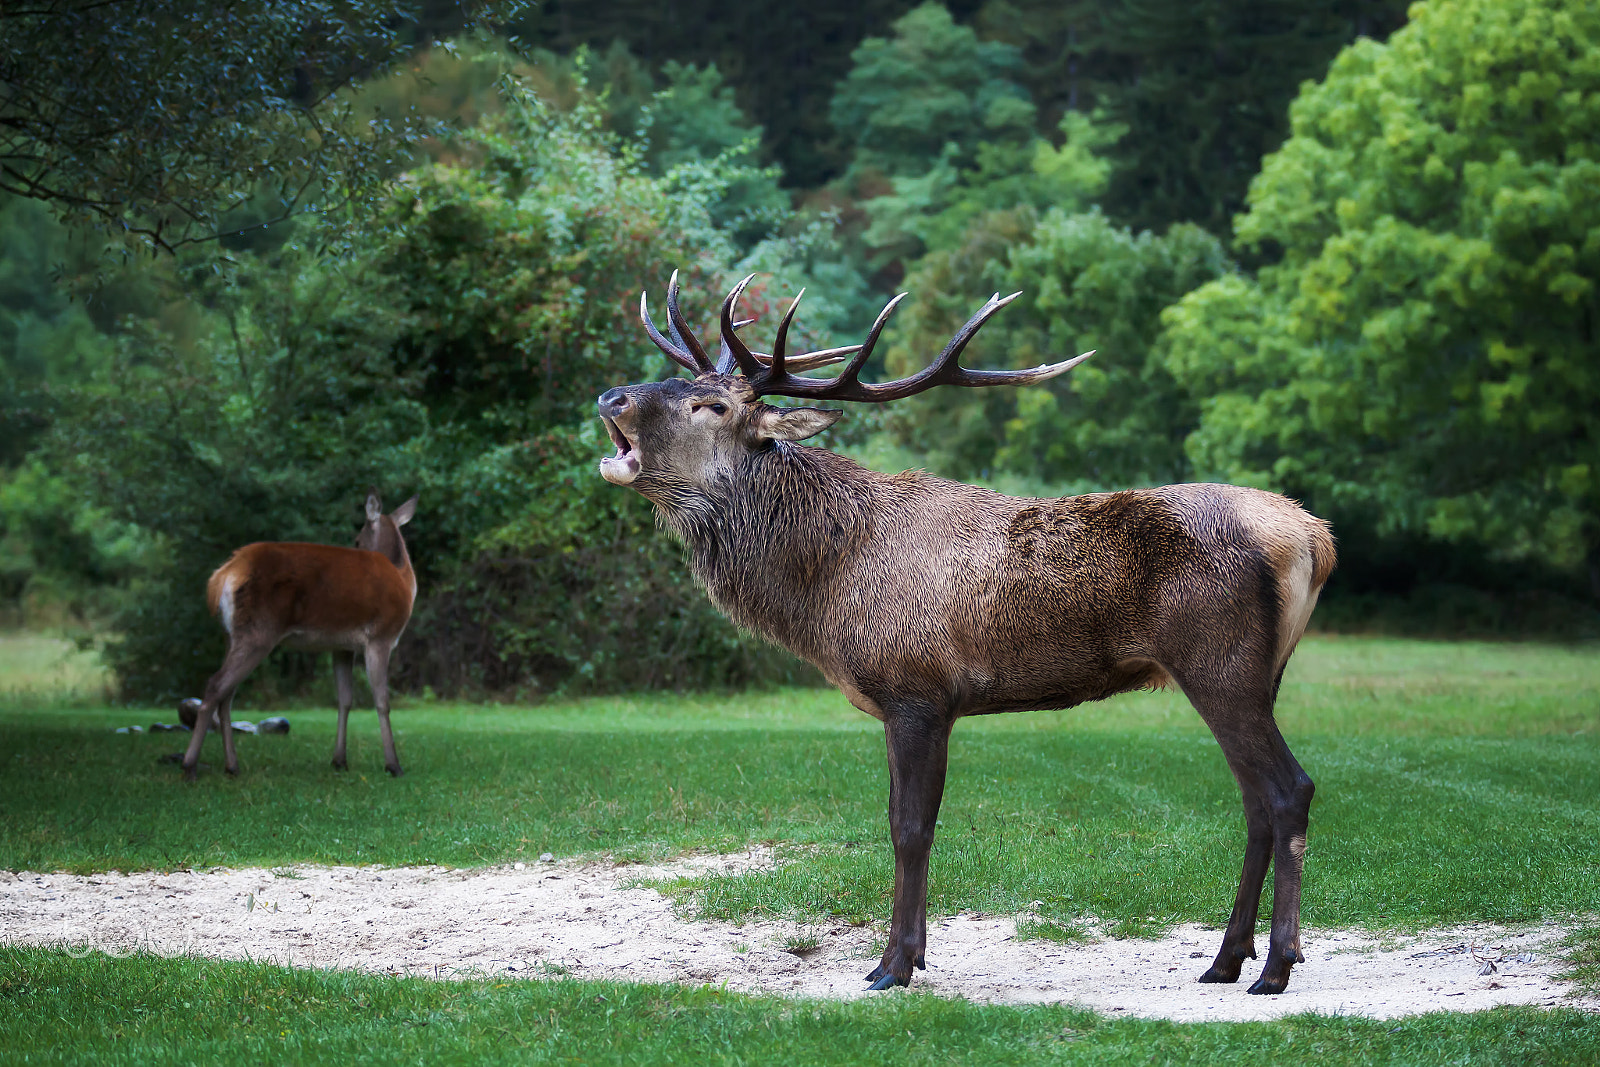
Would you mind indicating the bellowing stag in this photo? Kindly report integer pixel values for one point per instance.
(313, 598)
(924, 600)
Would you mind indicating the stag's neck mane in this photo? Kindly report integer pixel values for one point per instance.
(767, 541)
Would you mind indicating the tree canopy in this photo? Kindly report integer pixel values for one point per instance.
(1426, 348)
(169, 120)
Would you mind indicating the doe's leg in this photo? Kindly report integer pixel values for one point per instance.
(918, 741)
(243, 657)
(225, 724)
(378, 678)
(344, 684)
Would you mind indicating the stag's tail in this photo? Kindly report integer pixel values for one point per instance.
(1323, 555)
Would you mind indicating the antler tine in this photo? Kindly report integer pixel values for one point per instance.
(842, 387)
(681, 332)
(780, 363)
(734, 350)
(943, 371)
(676, 354)
(780, 342)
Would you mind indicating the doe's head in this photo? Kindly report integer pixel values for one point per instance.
(381, 533)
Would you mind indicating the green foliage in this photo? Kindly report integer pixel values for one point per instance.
(1119, 419)
(457, 354)
(933, 84)
(157, 120)
(269, 430)
(694, 124)
(1424, 351)
(931, 211)
(1200, 87)
(783, 60)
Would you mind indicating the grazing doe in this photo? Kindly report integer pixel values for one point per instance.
(313, 598)
(924, 600)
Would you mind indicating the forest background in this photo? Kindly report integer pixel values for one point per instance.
(254, 258)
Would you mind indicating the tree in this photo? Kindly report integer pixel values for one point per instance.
(455, 351)
(783, 60)
(1425, 351)
(159, 119)
(1200, 87)
(1119, 419)
(933, 84)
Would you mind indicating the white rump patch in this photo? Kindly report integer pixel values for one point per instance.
(1298, 600)
(225, 603)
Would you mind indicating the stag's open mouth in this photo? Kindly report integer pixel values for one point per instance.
(622, 468)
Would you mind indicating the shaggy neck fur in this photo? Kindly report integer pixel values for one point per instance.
(768, 540)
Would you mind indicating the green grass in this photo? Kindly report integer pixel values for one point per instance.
(1455, 782)
(38, 669)
(55, 1009)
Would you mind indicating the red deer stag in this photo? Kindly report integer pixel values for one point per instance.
(924, 600)
(312, 597)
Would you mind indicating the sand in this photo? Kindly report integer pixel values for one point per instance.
(593, 920)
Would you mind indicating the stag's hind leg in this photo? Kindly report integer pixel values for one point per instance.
(1277, 806)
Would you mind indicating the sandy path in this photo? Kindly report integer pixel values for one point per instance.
(549, 919)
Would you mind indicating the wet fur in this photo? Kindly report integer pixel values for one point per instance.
(925, 600)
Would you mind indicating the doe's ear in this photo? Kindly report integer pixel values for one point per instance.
(374, 505)
(794, 424)
(403, 513)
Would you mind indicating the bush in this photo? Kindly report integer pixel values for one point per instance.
(457, 354)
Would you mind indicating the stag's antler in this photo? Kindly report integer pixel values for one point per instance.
(685, 350)
(775, 380)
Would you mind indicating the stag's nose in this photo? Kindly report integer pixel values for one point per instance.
(612, 403)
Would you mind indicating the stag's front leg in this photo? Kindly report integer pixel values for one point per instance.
(919, 745)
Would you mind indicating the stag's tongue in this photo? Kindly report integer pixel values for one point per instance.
(622, 468)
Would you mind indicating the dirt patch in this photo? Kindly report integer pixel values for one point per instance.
(551, 919)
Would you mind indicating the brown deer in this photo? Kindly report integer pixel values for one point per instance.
(311, 597)
(924, 600)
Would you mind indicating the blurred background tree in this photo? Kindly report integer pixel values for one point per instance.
(1422, 361)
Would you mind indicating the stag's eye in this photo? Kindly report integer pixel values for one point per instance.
(719, 409)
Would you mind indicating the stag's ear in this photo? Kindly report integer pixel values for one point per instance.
(794, 424)
(374, 505)
(403, 513)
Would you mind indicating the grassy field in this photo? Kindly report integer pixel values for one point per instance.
(1455, 782)
(37, 669)
(135, 1011)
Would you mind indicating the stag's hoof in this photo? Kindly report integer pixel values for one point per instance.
(341, 764)
(190, 774)
(1269, 986)
(231, 772)
(888, 981)
(1217, 977)
(395, 771)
